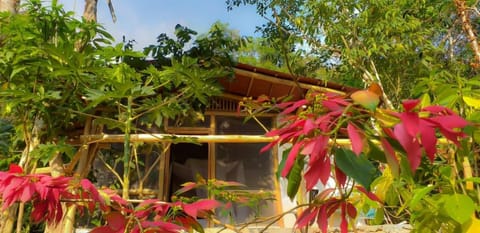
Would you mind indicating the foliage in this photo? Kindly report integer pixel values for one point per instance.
(57, 73)
(406, 137)
(388, 43)
(213, 49)
(226, 192)
(265, 53)
(46, 194)
(39, 61)
(372, 41)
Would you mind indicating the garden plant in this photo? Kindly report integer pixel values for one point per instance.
(412, 159)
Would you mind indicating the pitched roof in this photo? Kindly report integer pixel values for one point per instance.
(251, 81)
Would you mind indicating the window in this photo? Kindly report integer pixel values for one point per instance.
(239, 161)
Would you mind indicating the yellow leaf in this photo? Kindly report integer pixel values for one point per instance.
(385, 117)
(383, 184)
(472, 102)
(425, 100)
(475, 226)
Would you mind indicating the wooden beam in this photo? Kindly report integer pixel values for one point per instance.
(284, 81)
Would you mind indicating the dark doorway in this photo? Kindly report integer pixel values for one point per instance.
(187, 161)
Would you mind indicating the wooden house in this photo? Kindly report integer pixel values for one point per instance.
(226, 148)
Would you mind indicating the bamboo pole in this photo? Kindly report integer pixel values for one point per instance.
(154, 138)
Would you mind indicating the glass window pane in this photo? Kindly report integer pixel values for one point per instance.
(235, 125)
(242, 162)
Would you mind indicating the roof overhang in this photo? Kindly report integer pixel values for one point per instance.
(251, 81)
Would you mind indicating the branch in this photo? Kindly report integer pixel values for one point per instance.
(463, 14)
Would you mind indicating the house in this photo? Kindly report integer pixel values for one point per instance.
(227, 147)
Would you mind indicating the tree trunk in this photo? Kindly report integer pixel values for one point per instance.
(90, 12)
(9, 5)
(463, 14)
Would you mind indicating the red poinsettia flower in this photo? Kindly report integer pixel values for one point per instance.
(417, 130)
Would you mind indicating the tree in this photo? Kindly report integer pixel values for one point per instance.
(9, 5)
(268, 54)
(40, 59)
(90, 11)
(386, 45)
(372, 41)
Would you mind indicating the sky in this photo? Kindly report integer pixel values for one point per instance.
(144, 20)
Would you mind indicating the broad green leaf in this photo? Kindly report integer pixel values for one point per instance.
(358, 168)
(459, 207)
(295, 177)
(375, 152)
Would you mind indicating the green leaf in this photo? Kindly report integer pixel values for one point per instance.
(295, 177)
(358, 168)
(282, 163)
(375, 152)
(459, 207)
(419, 194)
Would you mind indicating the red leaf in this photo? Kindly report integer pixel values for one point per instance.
(116, 221)
(355, 138)
(325, 193)
(295, 106)
(318, 170)
(322, 219)
(306, 217)
(411, 122)
(186, 187)
(351, 210)
(410, 144)
(268, 146)
(370, 195)
(15, 169)
(38, 212)
(409, 105)
(90, 188)
(103, 229)
(429, 141)
(344, 222)
(308, 126)
(193, 208)
(334, 103)
(291, 158)
(164, 227)
(437, 109)
(319, 149)
(27, 192)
